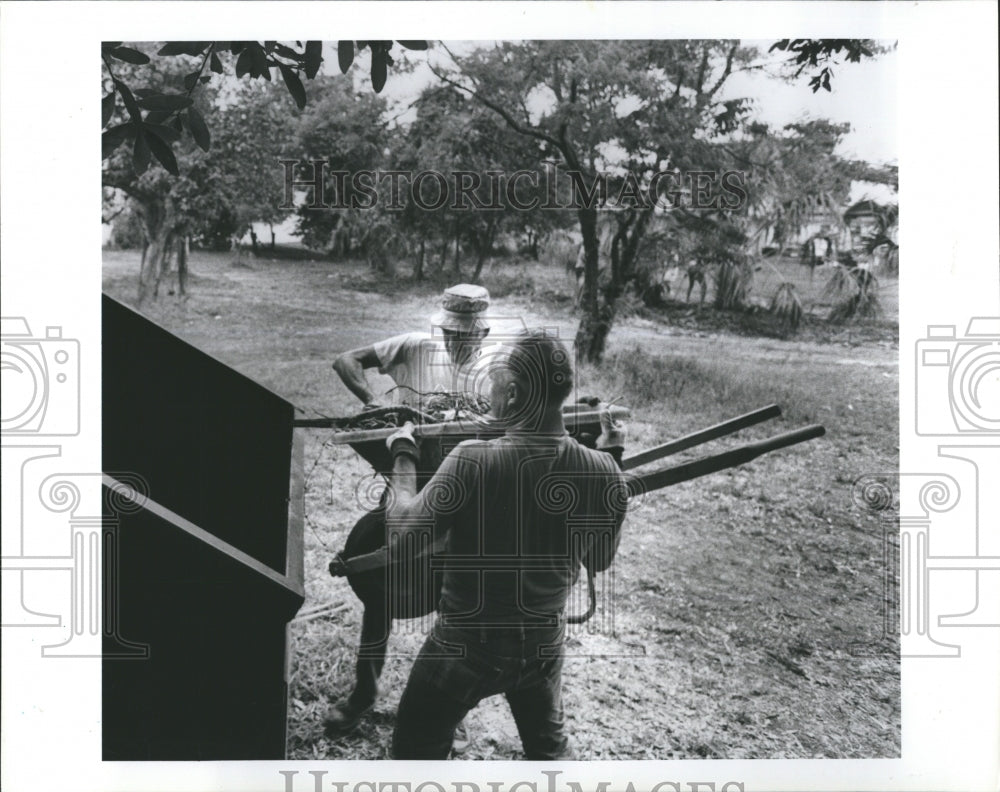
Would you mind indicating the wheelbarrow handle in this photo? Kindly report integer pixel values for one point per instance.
(702, 436)
(649, 482)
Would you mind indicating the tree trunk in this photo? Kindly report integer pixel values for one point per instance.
(253, 241)
(418, 270)
(592, 333)
(238, 261)
(479, 266)
(456, 266)
(444, 253)
(598, 304)
(154, 263)
(141, 294)
(158, 231)
(271, 226)
(485, 246)
(182, 268)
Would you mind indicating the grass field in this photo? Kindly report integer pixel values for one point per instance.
(744, 616)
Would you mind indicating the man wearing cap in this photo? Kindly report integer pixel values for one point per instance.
(421, 364)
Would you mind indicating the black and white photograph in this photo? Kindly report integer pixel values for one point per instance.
(497, 398)
(714, 269)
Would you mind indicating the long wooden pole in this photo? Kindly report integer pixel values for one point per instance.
(638, 485)
(702, 436)
(468, 426)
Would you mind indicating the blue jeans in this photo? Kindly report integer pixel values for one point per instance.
(460, 666)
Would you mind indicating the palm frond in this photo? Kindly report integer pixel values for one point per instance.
(787, 307)
(841, 282)
(862, 303)
(733, 282)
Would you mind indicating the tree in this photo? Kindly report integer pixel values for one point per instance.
(655, 102)
(347, 131)
(455, 135)
(155, 196)
(175, 108)
(241, 174)
(220, 191)
(881, 240)
(793, 174)
(820, 55)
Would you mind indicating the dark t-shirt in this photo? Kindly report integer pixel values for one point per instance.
(520, 514)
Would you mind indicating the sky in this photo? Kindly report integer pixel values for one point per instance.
(864, 95)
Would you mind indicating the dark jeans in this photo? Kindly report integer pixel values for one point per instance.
(375, 626)
(367, 535)
(383, 603)
(458, 667)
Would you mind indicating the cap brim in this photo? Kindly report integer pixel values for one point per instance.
(463, 324)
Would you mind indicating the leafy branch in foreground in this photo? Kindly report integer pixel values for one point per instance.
(157, 119)
(813, 53)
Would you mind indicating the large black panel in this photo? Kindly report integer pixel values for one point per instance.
(202, 572)
(213, 684)
(213, 444)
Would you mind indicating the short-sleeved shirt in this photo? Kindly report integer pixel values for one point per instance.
(419, 364)
(519, 515)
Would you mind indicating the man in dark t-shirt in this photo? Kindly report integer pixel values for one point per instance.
(519, 515)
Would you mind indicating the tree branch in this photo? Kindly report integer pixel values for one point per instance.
(726, 71)
(699, 82)
(499, 110)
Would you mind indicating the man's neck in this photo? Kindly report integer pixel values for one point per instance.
(549, 424)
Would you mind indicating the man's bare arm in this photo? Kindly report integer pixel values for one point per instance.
(351, 368)
(409, 509)
(406, 510)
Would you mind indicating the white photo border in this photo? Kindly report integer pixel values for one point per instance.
(51, 253)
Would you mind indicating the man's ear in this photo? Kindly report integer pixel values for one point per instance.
(513, 396)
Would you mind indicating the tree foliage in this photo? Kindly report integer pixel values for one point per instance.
(215, 194)
(793, 175)
(156, 118)
(194, 133)
(629, 108)
(820, 55)
(348, 131)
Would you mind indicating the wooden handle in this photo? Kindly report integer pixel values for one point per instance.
(702, 436)
(467, 427)
(727, 459)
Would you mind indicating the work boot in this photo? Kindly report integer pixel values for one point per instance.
(460, 742)
(344, 716)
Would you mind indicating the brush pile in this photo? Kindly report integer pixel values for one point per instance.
(438, 406)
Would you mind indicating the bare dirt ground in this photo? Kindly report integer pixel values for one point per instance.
(745, 615)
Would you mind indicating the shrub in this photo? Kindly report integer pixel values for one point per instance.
(127, 232)
(856, 294)
(733, 282)
(787, 307)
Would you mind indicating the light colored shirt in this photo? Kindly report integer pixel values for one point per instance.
(420, 366)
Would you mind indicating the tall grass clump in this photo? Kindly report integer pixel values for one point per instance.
(715, 388)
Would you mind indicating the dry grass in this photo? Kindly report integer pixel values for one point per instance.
(744, 616)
